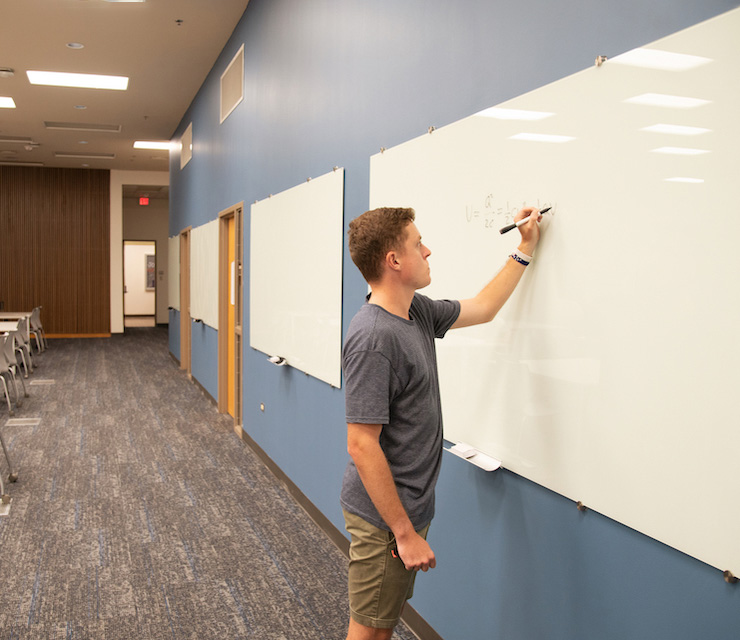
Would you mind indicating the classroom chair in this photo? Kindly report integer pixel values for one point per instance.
(36, 330)
(12, 473)
(23, 346)
(9, 368)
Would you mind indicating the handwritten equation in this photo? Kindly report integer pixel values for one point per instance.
(494, 214)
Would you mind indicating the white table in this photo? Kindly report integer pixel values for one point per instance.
(12, 317)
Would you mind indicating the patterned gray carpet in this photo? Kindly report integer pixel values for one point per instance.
(139, 514)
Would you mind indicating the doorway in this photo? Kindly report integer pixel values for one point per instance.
(139, 283)
(185, 321)
(230, 314)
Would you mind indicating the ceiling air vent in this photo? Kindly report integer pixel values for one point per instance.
(186, 146)
(16, 139)
(92, 156)
(232, 84)
(82, 126)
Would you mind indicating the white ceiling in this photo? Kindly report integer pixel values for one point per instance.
(165, 47)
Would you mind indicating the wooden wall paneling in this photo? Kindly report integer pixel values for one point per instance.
(55, 246)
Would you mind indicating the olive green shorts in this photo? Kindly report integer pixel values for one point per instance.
(379, 583)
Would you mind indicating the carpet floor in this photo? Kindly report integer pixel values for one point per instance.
(139, 514)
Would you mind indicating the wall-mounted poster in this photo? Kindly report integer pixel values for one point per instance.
(150, 272)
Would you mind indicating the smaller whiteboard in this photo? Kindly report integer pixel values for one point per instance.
(204, 273)
(295, 276)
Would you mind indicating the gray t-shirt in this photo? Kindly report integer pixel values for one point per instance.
(390, 378)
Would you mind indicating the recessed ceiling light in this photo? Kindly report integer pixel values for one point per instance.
(676, 129)
(657, 59)
(151, 144)
(513, 114)
(79, 80)
(541, 137)
(6, 72)
(664, 100)
(7, 103)
(681, 151)
(75, 45)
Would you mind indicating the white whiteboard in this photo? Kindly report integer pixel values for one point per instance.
(295, 276)
(611, 375)
(204, 273)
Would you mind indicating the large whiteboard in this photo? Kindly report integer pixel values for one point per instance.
(611, 375)
(295, 276)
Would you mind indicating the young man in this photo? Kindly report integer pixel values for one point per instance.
(394, 418)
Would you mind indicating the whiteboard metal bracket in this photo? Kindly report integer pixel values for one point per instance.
(431, 129)
(472, 455)
(729, 578)
(581, 507)
(600, 60)
(278, 360)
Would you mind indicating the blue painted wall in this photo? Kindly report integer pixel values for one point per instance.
(204, 357)
(328, 83)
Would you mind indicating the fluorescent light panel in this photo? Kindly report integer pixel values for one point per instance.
(7, 103)
(661, 60)
(680, 151)
(664, 100)
(685, 180)
(513, 114)
(541, 137)
(152, 144)
(676, 129)
(78, 80)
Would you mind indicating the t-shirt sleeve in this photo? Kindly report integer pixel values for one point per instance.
(368, 382)
(442, 313)
(447, 313)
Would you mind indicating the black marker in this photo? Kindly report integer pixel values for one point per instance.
(521, 222)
